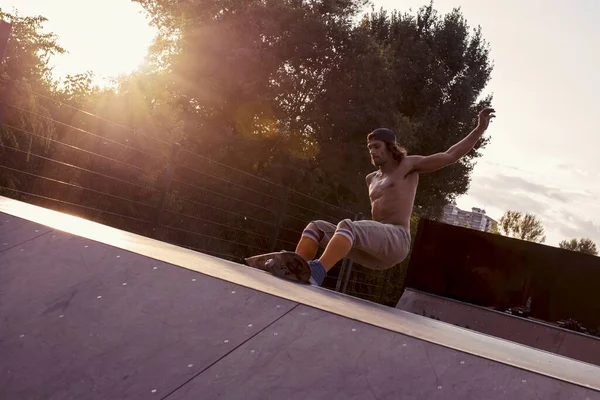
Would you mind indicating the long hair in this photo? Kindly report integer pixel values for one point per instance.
(398, 152)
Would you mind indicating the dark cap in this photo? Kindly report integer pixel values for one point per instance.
(383, 134)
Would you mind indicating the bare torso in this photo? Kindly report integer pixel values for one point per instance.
(392, 194)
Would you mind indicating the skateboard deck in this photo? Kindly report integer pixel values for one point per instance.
(284, 264)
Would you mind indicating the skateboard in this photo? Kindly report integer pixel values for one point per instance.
(284, 264)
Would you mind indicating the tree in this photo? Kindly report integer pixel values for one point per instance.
(25, 69)
(29, 50)
(299, 85)
(522, 226)
(583, 245)
(421, 75)
(247, 69)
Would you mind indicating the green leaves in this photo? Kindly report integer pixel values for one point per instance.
(522, 226)
(28, 50)
(583, 245)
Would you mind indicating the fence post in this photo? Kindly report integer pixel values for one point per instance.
(346, 268)
(175, 148)
(338, 284)
(280, 215)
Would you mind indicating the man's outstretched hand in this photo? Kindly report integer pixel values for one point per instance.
(485, 116)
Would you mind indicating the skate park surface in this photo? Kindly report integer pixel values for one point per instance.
(93, 312)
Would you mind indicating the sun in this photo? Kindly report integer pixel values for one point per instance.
(108, 38)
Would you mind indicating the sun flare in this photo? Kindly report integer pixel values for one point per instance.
(108, 38)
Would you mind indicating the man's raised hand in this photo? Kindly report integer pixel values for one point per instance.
(485, 116)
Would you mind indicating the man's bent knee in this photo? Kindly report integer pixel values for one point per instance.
(313, 232)
(345, 224)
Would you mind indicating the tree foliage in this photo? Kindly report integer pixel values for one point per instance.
(25, 64)
(522, 226)
(583, 245)
(421, 75)
(29, 50)
(299, 85)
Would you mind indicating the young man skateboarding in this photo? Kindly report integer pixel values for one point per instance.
(384, 241)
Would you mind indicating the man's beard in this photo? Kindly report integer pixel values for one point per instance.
(377, 162)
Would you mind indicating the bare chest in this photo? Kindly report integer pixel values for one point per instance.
(390, 186)
(381, 185)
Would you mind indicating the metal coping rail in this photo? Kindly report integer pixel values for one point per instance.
(76, 205)
(132, 218)
(140, 220)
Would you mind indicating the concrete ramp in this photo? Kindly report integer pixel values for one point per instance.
(525, 331)
(91, 312)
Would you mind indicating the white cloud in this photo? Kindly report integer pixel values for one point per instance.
(562, 198)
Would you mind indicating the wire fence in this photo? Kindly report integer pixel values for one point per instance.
(161, 191)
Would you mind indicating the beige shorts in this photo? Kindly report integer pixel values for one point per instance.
(376, 245)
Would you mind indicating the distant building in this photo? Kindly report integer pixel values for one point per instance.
(474, 219)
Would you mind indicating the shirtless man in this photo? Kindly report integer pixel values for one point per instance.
(384, 241)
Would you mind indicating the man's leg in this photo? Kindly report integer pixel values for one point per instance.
(317, 233)
(338, 247)
(369, 243)
(338, 240)
(307, 248)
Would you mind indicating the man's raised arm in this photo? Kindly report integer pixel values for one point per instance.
(423, 164)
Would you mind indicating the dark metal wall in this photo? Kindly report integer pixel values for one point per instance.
(503, 273)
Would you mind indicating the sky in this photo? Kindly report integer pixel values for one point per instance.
(107, 37)
(542, 158)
